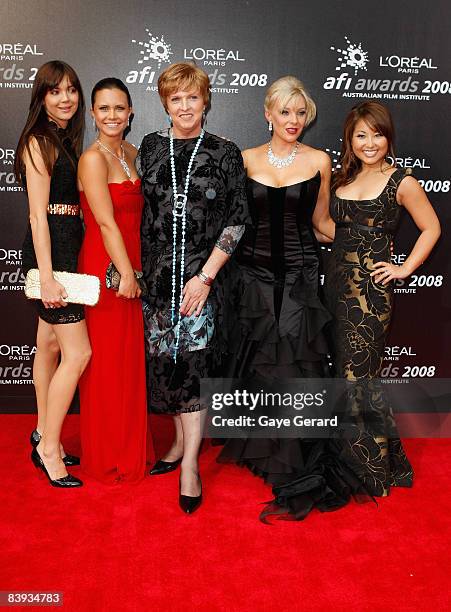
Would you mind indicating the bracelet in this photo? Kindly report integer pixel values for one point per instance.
(207, 280)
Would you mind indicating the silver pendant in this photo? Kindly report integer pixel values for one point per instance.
(180, 200)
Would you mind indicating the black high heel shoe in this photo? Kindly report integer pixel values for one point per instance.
(68, 460)
(164, 467)
(188, 503)
(65, 482)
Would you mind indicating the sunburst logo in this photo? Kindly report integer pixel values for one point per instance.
(353, 56)
(154, 49)
(335, 156)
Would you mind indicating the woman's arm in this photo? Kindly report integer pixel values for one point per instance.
(195, 292)
(410, 194)
(322, 221)
(93, 176)
(38, 188)
(321, 237)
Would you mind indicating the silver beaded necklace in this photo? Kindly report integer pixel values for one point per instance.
(281, 162)
(179, 211)
(121, 159)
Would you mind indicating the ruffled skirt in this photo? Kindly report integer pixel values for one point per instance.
(304, 473)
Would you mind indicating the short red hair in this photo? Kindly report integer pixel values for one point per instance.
(186, 77)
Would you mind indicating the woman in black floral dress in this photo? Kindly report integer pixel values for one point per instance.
(193, 218)
(359, 287)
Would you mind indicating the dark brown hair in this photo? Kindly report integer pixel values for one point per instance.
(378, 117)
(38, 126)
(110, 83)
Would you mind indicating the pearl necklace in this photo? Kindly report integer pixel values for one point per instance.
(281, 162)
(121, 159)
(179, 211)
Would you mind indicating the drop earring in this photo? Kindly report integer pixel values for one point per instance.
(204, 118)
(169, 119)
(94, 123)
(270, 126)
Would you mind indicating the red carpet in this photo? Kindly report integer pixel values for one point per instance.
(127, 548)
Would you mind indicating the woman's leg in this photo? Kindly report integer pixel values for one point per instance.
(75, 354)
(193, 426)
(44, 367)
(176, 450)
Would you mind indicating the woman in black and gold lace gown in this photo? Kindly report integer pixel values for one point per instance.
(368, 195)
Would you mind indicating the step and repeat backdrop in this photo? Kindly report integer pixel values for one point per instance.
(393, 51)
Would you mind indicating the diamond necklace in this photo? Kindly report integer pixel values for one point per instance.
(179, 211)
(121, 159)
(281, 162)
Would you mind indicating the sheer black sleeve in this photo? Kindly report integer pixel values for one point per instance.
(230, 237)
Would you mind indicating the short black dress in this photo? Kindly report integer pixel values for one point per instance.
(66, 231)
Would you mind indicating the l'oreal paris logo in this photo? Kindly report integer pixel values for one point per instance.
(406, 64)
(17, 352)
(7, 156)
(409, 162)
(218, 55)
(10, 255)
(19, 49)
(394, 352)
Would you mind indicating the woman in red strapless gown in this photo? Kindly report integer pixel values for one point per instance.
(113, 388)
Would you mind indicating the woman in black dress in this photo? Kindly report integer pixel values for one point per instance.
(368, 196)
(194, 214)
(281, 321)
(46, 162)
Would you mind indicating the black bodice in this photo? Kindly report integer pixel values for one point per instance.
(63, 185)
(281, 240)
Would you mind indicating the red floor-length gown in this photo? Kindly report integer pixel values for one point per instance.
(113, 387)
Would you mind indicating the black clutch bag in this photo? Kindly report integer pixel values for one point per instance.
(113, 278)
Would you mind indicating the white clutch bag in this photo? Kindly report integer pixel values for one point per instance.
(80, 288)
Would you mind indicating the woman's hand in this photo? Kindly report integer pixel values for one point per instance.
(128, 287)
(53, 294)
(195, 295)
(386, 272)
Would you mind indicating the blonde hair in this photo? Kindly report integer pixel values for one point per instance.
(183, 76)
(286, 88)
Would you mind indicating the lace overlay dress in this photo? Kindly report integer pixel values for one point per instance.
(362, 312)
(216, 214)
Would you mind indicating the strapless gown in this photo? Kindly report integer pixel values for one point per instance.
(113, 386)
(279, 332)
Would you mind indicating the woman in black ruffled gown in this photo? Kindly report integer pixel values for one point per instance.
(279, 331)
